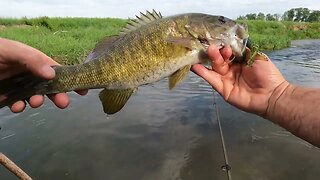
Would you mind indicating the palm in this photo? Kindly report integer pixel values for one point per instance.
(248, 88)
(8, 70)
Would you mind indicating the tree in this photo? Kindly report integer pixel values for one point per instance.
(288, 15)
(301, 14)
(241, 18)
(252, 16)
(296, 14)
(270, 17)
(261, 16)
(277, 17)
(314, 16)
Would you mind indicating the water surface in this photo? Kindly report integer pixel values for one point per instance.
(162, 134)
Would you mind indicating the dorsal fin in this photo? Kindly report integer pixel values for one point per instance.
(141, 20)
(100, 48)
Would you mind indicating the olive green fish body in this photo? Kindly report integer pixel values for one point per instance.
(134, 59)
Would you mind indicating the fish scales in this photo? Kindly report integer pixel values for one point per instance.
(134, 54)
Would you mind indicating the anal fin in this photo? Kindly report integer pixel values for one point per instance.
(178, 76)
(114, 100)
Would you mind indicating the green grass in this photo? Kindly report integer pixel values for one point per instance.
(272, 35)
(69, 40)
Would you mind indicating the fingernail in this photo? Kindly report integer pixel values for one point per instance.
(48, 71)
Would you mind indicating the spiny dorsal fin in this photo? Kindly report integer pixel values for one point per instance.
(141, 20)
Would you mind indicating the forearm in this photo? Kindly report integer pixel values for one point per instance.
(296, 109)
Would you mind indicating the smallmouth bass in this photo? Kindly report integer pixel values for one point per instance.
(147, 50)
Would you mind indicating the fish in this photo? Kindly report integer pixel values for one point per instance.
(148, 49)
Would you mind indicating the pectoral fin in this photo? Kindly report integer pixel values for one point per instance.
(178, 76)
(182, 41)
(191, 32)
(114, 100)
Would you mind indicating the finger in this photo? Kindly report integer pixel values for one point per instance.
(34, 60)
(38, 65)
(61, 100)
(213, 78)
(226, 53)
(36, 101)
(218, 63)
(18, 106)
(215, 55)
(82, 92)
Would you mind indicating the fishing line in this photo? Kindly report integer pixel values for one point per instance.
(226, 167)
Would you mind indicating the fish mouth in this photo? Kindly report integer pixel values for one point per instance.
(246, 44)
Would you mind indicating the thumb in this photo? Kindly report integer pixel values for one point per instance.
(39, 66)
(28, 58)
(35, 61)
(213, 78)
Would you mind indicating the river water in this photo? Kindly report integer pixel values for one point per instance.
(162, 134)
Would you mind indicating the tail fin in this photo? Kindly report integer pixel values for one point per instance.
(20, 87)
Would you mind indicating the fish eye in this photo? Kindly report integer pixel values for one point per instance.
(240, 33)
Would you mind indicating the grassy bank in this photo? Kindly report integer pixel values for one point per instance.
(69, 40)
(273, 35)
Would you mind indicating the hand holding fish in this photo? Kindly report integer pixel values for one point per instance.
(261, 89)
(246, 87)
(15, 58)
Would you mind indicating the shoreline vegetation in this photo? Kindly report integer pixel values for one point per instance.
(69, 40)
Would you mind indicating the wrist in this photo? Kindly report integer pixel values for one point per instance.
(279, 93)
(4, 46)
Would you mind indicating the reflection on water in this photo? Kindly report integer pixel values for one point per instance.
(162, 134)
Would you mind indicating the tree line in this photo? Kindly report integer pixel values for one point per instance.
(294, 14)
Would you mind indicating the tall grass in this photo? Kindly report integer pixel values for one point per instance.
(69, 40)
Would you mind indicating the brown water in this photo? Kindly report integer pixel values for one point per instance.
(162, 134)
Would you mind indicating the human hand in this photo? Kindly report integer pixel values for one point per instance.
(246, 87)
(15, 58)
